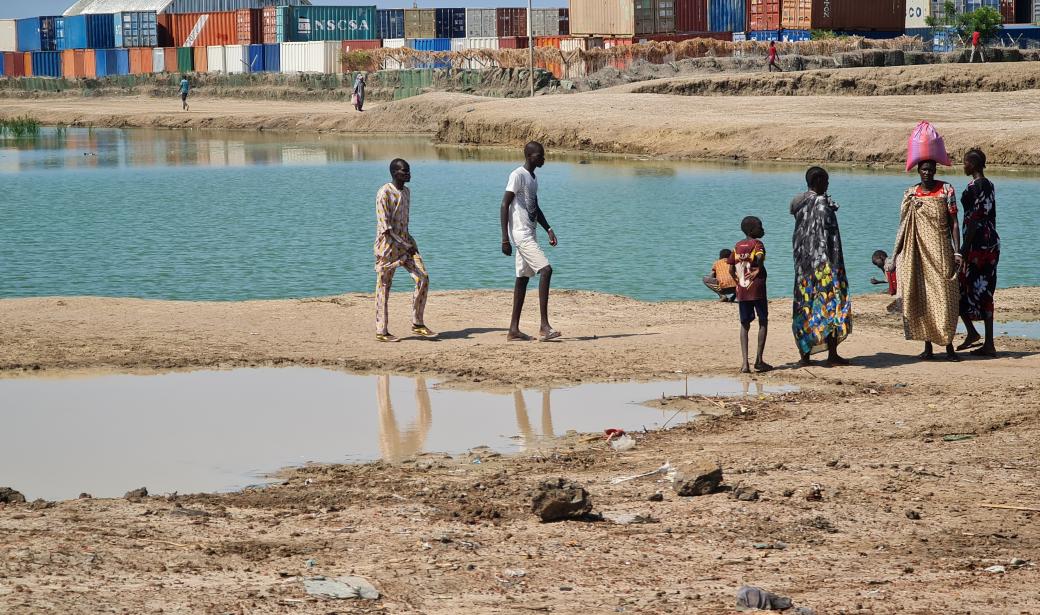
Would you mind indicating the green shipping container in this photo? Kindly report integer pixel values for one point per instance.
(185, 59)
(329, 23)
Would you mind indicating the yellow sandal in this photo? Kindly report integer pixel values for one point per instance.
(386, 337)
(423, 331)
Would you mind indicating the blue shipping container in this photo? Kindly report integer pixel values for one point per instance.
(256, 58)
(450, 23)
(430, 44)
(85, 32)
(871, 34)
(135, 29)
(974, 5)
(112, 62)
(273, 58)
(727, 15)
(37, 34)
(790, 36)
(2, 63)
(46, 64)
(391, 23)
(1022, 36)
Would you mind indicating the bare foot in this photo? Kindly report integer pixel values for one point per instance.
(745, 369)
(835, 359)
(762, 366)
(804, 361)
(927, 355)
(517, 336)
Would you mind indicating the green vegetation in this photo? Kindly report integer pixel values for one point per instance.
(822, 35)
(20, 127)
(986, 20)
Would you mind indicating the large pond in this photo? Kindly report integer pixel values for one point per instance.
(223, 216)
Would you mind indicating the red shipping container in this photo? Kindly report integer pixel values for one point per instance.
(676, 38)
(883, 15)
(141, 60)
(691, 15)
(1007, 10)
(170, 60)
(512, 42)
(763, 15)
(349, 46)
(511, 22)
(198, 29)
(14, 64)
(249, 26)
(565, 22)
(270, 25)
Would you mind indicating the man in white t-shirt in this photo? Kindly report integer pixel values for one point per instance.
(519, 214)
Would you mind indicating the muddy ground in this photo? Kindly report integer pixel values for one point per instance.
(903, 525)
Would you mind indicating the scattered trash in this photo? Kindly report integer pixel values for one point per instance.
(698, 478)
(778, 545)
(10, 496)
(85, 496)
(664, 469)
(913, 515)
(957, 437)
(477, 461)
(136, 494)
(629, 518)
(745, 494)
(996, 570)
(657, 497)
(560, 499)
(749, 597)
(311, 563)
(515, 574)
(815, 493)
(613, 432)
(1017, 563)
(622, 443)
(340, 588)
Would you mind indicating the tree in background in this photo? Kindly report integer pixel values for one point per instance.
(986, 20)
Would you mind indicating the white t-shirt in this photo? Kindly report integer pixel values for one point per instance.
(525, 187)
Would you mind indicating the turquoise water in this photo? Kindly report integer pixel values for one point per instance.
(225, 216)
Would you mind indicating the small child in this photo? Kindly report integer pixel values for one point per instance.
(747, 266)
(720, 281)
(881, 261)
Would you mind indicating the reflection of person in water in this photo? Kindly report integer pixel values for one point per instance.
(394, 444)
(523, 422)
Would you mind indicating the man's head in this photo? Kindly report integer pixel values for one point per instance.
(400, 171)
(752, 227)
(724, 253)
(879, 258)
(817, 179)
(534, 154)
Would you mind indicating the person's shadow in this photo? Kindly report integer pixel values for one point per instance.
(465, 334)
(888, 359)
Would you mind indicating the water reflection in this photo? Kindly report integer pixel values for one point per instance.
(394, 444)
(523, 422)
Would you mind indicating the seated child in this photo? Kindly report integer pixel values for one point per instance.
(720, 281)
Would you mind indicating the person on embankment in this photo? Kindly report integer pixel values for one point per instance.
(395, 247)
(185, 89)
(518, 215)
(773, 56)
(822, 310)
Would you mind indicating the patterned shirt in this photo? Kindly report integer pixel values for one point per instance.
(749, 256)
(721, 272)
(943, 191)
(392, 238)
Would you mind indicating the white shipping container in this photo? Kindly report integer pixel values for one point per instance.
(476, 42)
(236, 59)
(158, 60)
(545, 22)
(8, 35)
(596, 17)
(311, 57)
(394, 43)
(574, 44)
(215, 59)
(481, 23)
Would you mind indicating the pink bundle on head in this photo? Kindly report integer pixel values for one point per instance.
(926, 144)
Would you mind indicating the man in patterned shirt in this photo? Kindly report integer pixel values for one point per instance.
(395, 247)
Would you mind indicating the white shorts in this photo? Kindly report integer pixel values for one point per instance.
(529, 258)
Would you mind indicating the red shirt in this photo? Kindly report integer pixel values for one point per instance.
(772, 53)
(892, 286)
(749, 256)
(975, 38)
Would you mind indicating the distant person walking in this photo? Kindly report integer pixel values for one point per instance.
(822, 314)
(395, 247)
(773, 55)
(519, 213)
(185, 89)
(359, 91)
(976, 45)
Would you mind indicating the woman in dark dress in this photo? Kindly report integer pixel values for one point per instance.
(981, 249)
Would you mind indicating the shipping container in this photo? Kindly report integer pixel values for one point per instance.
(477, 42)
(236, 59)
(763, 15)
(46, 63)
(141, 59)
(311, 57)
(420, 23)
(968, 6)
(546, 22)
(691, 16)
(787, 36)
(834, 15)
(185, 59)
(171, 61)
(14, 64)
(512, 22)
(654, 16)
(430, 44)
(565, 22)
(1, 63)
(450, 23)
(8, 35)
(1007, 11)
(270, 25)
(78, 64)
(27, 62)
(249, 26)
(391, 23)
(198, 29)
(37, 34)
(512, 42)
(349, 46)
(330, 23)
(481, 23)
(215, 61)
(158, 60)
(549, 41)
(256, 58)
(85, 32)
(273, 58)
(200, 59)
(111, 62)
(136, 29)
(282, 17)
(727, 15)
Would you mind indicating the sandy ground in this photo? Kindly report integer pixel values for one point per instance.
(444, 535)
(846, 115)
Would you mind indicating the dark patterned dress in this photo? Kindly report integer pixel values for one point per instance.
(821, 288)
(981, 249)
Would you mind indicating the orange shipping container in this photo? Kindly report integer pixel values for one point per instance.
(28, 63)
(249, 26)
(764, 15)
(548, 41)
(201, 60)
(199, 29)
(270, 25)
(78, 63)
(141, 60)
(170, 59)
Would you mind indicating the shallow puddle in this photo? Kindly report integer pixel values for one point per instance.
(1013, 328)
(222, 430)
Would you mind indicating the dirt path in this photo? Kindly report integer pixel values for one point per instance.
(899, 528)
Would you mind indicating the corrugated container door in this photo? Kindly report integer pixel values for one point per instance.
(458, 23)
(565, 22)
(272, 58)
(215, 62)
(765, 15)
(391, 23)
(185, 59)
(644, 10)
(27, 59)
(68, 63)
(332, 23)
(256, 58)
(270, 24)
(158, 60)
(249, 26)
(512, 22)
(664, 18)
(200, 59)
(8, 35)
(442, 23)
(137, 29)
(798, 14)
(691, 15)
(122, 61)
(727, 15)
(173, 59)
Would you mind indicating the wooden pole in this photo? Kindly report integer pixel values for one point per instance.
(530, 45)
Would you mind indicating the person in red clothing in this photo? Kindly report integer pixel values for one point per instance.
(976, 45)
(747, 267)
(773, 57)
(880, 260)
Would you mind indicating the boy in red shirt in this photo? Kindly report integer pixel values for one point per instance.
(772, 57)
(976, 40)
(747, 266)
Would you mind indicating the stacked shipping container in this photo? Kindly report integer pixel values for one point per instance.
(85, 32)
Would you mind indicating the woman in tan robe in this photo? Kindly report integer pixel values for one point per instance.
(927, 258)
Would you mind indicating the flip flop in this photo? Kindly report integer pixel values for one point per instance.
(966, 344)
(386, 337)
(551, 335)
(523, 337)
(423, 331)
